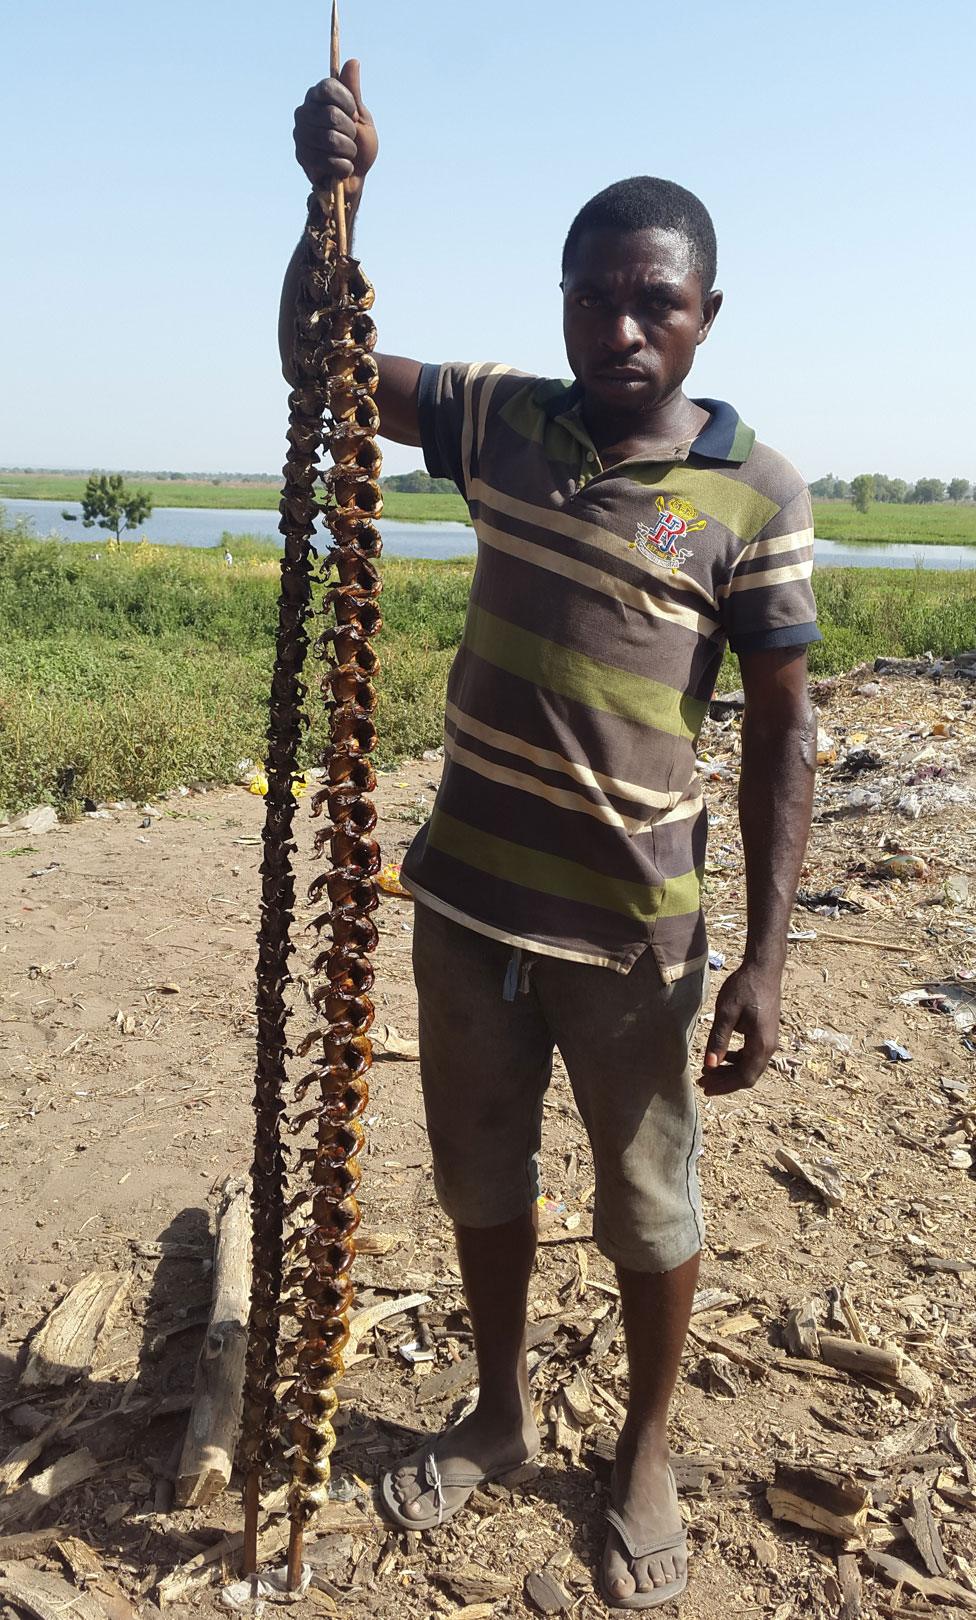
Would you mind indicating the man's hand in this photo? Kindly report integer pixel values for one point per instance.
(747, 1005)
(335, 137)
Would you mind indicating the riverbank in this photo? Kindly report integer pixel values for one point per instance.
(885, 523)
(150, 668)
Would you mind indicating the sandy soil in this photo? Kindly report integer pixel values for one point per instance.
(126, 1063)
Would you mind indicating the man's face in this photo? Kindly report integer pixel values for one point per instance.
(633, 316)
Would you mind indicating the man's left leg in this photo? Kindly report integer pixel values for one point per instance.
(656, 1313)
(625, 1040)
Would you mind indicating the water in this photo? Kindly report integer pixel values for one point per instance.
(204, 526)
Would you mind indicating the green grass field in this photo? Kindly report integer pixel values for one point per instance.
(948, 523)
(151, 667)
(944, 524)
(231, 496)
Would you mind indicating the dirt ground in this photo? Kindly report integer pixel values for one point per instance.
(126, 1067)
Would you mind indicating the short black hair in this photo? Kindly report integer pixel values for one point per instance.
(644, 203)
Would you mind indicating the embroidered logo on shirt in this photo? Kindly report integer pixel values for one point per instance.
(660, 543)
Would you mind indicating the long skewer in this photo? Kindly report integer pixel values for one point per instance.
(338, 186)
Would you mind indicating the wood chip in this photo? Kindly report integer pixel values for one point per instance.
(849, 1581)
(91, 1575)
(64, 1346)
(25, 1504)
(931, 1586)
(17, 1461)
(921, 1526)
(448, 1380)
(363, 1322)
(820, 1499)
(802, 1333)
(47, 1597)
(544, 1592)
(379, 1242)
(825, 1181)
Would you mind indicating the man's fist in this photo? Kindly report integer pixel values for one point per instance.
(335, 137)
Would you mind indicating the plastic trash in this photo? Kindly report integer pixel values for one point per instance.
(895, 1053)
(909, 806)
(716, 960)
(826, 748)
(832, 1038)
(41, 819)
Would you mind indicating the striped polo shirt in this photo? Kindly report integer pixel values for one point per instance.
(570, 819)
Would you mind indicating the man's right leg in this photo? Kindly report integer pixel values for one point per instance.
(500, 1434)
(485, 1064)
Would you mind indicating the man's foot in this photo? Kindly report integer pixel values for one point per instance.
(433, 1484)
(643, 1494)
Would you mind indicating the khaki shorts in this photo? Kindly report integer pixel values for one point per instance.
(490, 1018)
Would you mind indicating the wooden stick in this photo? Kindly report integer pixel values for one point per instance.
(252, 1507)
(296, 1536)
(208, 1450)
(338, 187)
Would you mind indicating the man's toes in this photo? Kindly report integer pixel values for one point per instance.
(620, 1581)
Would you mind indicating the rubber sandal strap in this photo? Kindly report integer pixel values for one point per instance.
(653, 1548)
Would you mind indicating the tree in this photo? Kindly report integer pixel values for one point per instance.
(898, 488)
(862, 491)
(928, 490)
(108, 503)
(958, 489)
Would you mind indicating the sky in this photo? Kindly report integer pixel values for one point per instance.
(150, 199)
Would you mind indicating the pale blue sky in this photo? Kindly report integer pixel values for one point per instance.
(150, 199)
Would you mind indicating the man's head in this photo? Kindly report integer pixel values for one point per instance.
(638, 276)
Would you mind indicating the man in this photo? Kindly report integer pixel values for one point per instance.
(626, 533)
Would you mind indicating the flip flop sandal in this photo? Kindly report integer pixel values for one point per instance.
(467, 1480)
(657, 1595)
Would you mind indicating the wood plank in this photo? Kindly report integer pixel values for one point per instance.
(207, 1457)
(65, 1345)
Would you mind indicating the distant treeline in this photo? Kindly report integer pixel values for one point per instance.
(419, 483)
(879, 487)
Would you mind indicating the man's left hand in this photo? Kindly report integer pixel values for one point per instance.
(747, 1005)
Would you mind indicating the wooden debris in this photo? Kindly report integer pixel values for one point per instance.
(91, 1575)
(199, 1571)
(387, 1041)
(849, 1581)
(30, 1543)
(17, 1461)
(448, 1380)
(930, 1586)
(921, 1526)
(65, 1345)
(47, 1597)
(823, 1180)
(801, 1332)
(820, 1499)
(544, 1592)
(717, 1374)
(211, 1437)
(23, 1505)
(889, 1366)
(363, 1322)
(471, 1584)
(725, 1347)
(379, 1242)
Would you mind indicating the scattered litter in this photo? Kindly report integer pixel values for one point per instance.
(859, 802)
(826, 748)
(828, 902)
(909, 806)
(716, 960)
(823, 1177)
(896, 1053)
(388, 881)
(44, 871)
(272, 1584)
(832, 1038)
(388, 1042)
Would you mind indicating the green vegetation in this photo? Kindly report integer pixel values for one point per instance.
(430, 506)
(108, 503)
(151, 667)
(882, 488)
(889, 524)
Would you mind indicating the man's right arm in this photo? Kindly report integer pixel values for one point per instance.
(335, 139)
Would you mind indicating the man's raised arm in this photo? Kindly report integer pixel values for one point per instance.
(335, 139)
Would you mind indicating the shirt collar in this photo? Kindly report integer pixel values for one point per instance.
(725, 437)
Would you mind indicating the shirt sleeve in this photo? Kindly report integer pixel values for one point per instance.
(769, 601)
(443, 404)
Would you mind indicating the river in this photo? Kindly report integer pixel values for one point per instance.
(206, 526)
